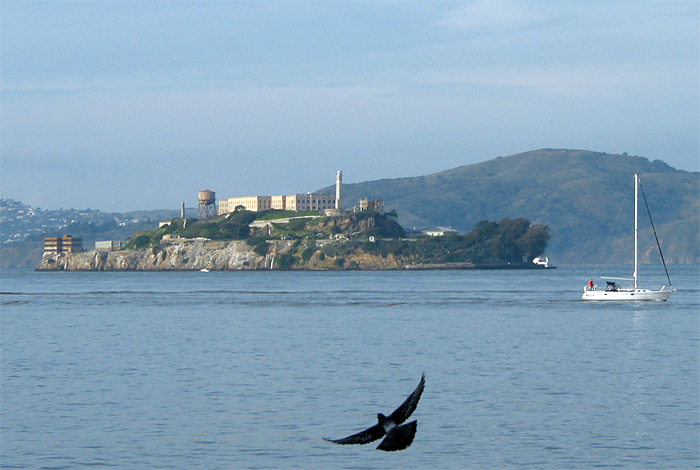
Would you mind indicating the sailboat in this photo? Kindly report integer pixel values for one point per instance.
(614, 292)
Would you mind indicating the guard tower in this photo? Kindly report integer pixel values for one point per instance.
(207, 204)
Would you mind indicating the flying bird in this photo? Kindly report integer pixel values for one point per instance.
(398, 436)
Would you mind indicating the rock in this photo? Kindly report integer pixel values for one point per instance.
(172, 256)
(194, 255)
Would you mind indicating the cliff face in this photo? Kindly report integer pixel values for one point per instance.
(200, 254)
(182, 256)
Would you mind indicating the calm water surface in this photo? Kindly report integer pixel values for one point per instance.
(229, 370)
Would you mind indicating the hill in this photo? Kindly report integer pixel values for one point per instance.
(585, 197)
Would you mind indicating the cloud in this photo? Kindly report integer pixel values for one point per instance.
(405, 89)
(494, 16)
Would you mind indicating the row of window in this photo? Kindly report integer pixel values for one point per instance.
(303, 202)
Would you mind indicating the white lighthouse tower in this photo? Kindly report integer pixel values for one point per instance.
(339, 191)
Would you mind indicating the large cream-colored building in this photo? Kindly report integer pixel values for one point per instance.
(251, 203)
(294, 202)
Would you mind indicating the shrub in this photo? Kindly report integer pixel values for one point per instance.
(140, 241)
(284, 261)
(307, 254)
(296, 225)
(371, 247)
(261, 248)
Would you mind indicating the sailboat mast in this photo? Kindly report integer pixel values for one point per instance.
(636, 234)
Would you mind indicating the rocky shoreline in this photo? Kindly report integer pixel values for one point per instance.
(200, 254)
(196, 255)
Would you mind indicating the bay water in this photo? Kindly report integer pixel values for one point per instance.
(250, 370)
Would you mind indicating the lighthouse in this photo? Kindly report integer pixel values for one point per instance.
(339, 191)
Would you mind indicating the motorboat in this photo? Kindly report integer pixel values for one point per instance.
(543, 261)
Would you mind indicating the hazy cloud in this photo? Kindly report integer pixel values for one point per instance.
(248, 97)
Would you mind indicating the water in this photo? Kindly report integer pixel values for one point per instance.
(230, 370)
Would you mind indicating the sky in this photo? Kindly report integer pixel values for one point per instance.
(131, 105)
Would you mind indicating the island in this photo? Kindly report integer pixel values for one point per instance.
(291, 240)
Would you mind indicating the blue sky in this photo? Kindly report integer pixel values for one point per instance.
(141, 104)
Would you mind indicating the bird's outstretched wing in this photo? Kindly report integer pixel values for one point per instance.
(402, 413)
(399, 437)
(362, 437)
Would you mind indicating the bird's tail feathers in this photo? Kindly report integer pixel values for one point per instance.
(399, 438)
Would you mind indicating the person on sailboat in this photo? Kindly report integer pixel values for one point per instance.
(590, 284)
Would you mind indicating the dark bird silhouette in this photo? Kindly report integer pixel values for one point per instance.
(398, 436)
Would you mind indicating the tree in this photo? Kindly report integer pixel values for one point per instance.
(284, 261)
(534, 242)
(485, 230)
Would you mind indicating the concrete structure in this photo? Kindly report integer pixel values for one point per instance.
(207, 204)
(109, 245)
(251, 203)
(293, 202)
(376, 205)
(65, 244)
(310, 202)
(279, 202)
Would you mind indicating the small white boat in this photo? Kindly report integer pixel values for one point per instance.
(614, 292)
(204, 270)
(543, 261)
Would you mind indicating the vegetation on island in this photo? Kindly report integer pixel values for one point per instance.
(510, 241)
(337, 242)
(272, 225)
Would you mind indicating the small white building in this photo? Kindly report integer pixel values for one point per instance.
(439, 231)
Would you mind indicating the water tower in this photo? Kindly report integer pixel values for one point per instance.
(207, 204)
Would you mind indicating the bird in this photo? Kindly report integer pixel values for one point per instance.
(397, 436)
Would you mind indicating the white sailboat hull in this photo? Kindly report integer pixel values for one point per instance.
(635, 293)
(628, 294)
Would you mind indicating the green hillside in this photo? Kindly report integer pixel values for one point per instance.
(586, 199)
